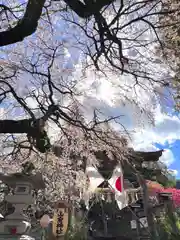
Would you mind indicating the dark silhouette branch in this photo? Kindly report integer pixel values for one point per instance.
(28, 126)
(16, 126)
(26, 26)
(88, 9)
(34, 129)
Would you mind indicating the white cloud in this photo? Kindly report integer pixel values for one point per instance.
(173, 172)
(166, 129)
(167, 157)
(142, 112)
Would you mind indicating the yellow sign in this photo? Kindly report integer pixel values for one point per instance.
(60, 219)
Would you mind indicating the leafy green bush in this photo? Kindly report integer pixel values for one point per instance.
(77, 230)
(168, 227)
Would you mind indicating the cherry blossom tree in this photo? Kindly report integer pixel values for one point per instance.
(44, 118)
(42, 86)
(52, 40)
(112, 33)
(61, 51)
(171, 41)
(21, 19)
(99, 44)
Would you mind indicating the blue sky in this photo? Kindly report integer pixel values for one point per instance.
(175, 148)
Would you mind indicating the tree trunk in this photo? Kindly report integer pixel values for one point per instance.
(15, 126)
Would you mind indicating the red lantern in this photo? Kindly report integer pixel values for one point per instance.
(13, 231)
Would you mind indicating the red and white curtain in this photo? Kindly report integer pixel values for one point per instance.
(94, 177)
(116, 183)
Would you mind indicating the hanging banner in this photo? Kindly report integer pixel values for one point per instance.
(94, 180)
(94, 177)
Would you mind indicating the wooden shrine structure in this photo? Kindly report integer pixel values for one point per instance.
(106, 220)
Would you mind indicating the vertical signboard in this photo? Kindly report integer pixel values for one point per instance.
(60, 219)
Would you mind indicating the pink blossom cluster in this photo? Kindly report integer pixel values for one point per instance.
(155, 188)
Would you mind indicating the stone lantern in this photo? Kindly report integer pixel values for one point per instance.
(20, 197)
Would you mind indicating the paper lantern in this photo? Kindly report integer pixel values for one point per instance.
(44, 221)
(13, 231)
